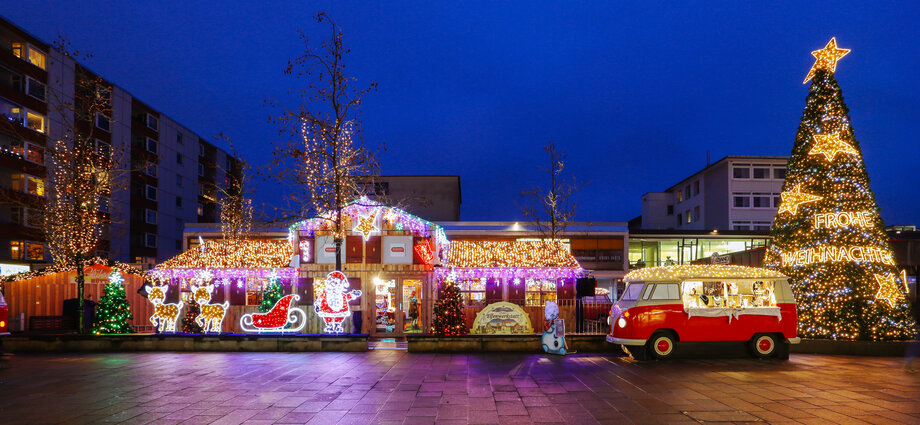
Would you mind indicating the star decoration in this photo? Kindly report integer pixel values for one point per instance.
(116, 278)
(830, 145)
(792, 199)
(366, 226)
(826, 58)
(887, 289)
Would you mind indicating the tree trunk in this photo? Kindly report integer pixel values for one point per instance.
(81, 325)
(338, 253)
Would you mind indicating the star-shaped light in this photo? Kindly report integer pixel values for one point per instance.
(116, 277)
(826, 58)
(366, 226)
(887, 289)
(791, 200)
(830, 145)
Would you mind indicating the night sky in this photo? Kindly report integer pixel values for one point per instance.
(636, 94)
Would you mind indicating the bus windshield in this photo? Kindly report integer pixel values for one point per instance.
(632, 291)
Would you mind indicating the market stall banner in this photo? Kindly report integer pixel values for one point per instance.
(502, 318)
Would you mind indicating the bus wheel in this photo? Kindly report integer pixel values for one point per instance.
(764, 345)
(662, 344)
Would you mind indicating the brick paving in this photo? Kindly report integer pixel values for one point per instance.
(401, 388)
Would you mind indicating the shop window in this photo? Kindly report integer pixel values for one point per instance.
(473, 292)
(35, 251)
(538, 291)
(384, 307)
(734, 294)
(412, 302)
(254, 289)
(742, 172)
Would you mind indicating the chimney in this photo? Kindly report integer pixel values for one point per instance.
(707, 158)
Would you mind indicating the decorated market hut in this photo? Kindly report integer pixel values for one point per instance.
(239, 269)
(524, 273)
(36, 299)
(388, 255)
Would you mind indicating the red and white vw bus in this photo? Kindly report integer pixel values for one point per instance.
(662, 307)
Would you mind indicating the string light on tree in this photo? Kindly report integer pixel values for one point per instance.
(835, 251)
(113, 311)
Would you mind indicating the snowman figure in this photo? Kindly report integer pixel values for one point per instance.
(332, 304)
(553, 339)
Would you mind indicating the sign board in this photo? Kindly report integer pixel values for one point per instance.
(720, 259)
(397, 249)
(8, 269)
(502, 318)
(560, 328)
(325, 250)
(97, 273)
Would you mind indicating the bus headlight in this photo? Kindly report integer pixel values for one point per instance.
(621, 322)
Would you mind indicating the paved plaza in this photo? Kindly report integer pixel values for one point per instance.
(388, 386)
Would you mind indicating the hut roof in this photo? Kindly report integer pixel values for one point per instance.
(507, 254)
(234, 254)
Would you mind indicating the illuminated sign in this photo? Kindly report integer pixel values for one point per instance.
(838, 254)
(8, 269)
(844, 219)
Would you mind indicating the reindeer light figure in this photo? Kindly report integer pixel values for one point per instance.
(164, 315)
(211, 318)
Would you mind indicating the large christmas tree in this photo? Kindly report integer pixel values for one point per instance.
(448, 318)
(828, 235)
(113, 311)
(272, 294)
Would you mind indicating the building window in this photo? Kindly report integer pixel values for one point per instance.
(103, 122)
(229, 163)
(151, 145)
(103, 205)
(179, 138)
(200, 170)
(35, 121)
(34, 154)
(538, 291)
(680, 196)
(741, 225)
(29, 54)
(150, 240)
(680, 220)
(178, 180)
(151, 193)
(151, 169)
(17, 249)
(761, 173)
(179, 224)
(742, 172)
(742, 200)
(670, 209)
(153, 123)
(201, 150)
(35, 89)
(761, 225)
(103, 149)
(28, 184)
(696, 213)
(776, 200)
(473, 292)
(12, 111)
(150, 216)
(35, 251)
(688, 216)
(178, 202)
(687, 192)
(779, 173)
(696, 188)
(11, 79)
(178, 158)
(762, 200)
(200, 209)
(201, 191)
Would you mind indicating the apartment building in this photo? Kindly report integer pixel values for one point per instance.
(734, 193)
(172, 175)
(437, 198)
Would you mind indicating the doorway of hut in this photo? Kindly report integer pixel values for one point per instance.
(397, 306)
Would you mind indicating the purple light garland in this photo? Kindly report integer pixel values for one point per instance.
(282, 273)
(509, 273)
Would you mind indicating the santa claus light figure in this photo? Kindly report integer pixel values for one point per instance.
(332, 304)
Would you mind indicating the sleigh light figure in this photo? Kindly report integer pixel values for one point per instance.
(332, 304)
(164, 315)
(211, 317)
(275, 320)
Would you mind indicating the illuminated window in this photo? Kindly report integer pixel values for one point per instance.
(35, 154)
(17, 249)
(28, 184)
(28, 53)
(688, 216)
(35, 251)
(36, 57)
(200, 209)
(680, 196)
(35, 121)
(473, 292)
(12, 111)
(538, 291)
(254, 291)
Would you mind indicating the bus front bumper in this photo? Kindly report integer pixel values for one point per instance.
(625, 341)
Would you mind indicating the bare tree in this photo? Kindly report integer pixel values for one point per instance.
(324, 161)
(235, 205)
(82, 172)
(551, 208)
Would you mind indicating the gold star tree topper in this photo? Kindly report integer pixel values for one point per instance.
(826, 58)
(366, 226)
(830, 145)
(792, 199)
(887, 289)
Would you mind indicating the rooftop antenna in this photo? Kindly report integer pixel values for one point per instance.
(707, 158)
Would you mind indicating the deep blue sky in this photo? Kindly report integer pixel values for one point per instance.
(636, 93)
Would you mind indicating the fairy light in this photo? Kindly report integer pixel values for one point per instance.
(391, 219)
(212, 316)
(231, 259)
(366, 226)
(164, 315)
(701, 272)
(277, 319)
(835, 250)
